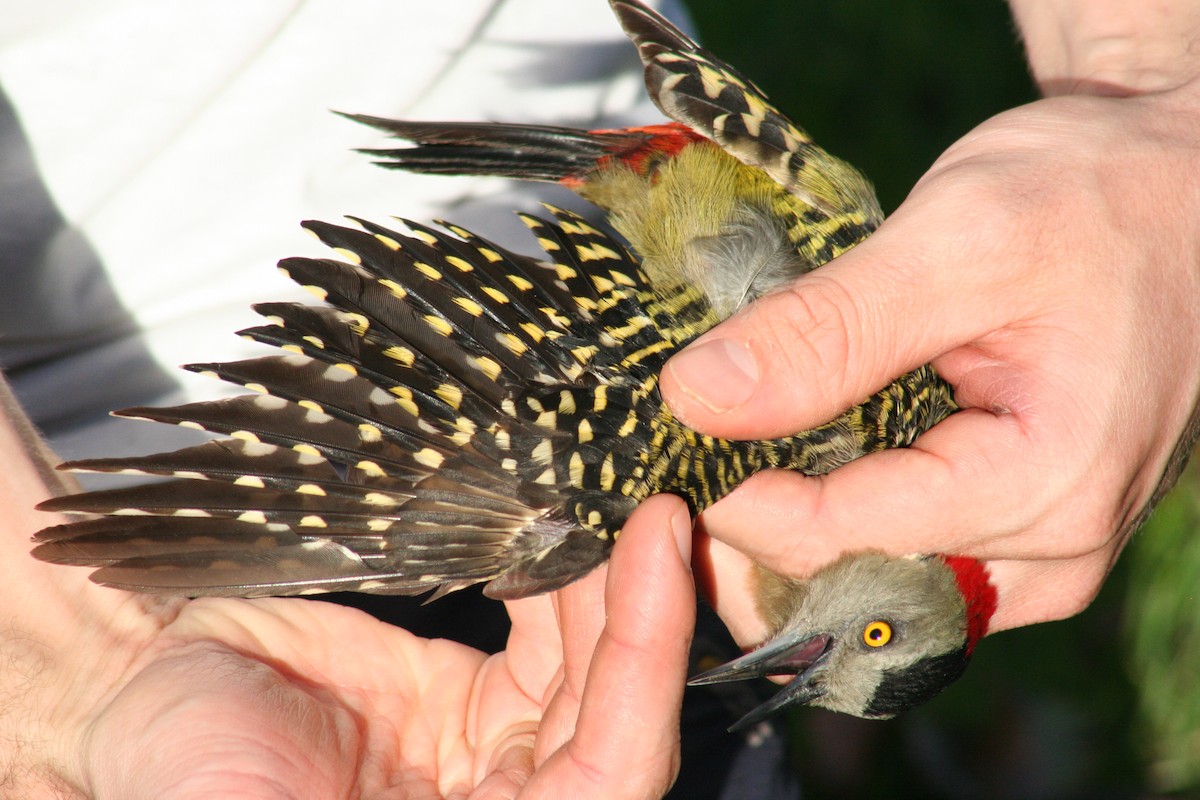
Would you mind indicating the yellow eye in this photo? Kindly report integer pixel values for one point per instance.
(877, 633)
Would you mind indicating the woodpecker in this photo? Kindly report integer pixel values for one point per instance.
(456, 413)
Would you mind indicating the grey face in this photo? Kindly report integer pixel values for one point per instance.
(868, 635)
(884, 616)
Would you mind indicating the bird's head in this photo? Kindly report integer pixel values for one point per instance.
(868, 635)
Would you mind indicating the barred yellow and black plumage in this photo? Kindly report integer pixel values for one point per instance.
(458, 413)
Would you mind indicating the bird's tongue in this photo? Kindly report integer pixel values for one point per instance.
(795, 660)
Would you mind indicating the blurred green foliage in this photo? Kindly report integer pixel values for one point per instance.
(1106, 705)
(1164, 635)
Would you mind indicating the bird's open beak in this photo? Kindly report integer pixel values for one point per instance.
(783, 656)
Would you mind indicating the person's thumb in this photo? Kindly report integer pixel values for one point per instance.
(796, 358)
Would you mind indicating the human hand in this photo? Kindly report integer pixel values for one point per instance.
(1046, 265)
(109, 694)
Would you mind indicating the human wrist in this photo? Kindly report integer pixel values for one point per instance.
(1109, 47)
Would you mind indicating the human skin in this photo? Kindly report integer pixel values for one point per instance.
(107, 694)
(1047, 265)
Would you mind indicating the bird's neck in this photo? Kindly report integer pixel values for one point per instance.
(978, 593)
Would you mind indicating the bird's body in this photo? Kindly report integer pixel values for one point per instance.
(461, 414)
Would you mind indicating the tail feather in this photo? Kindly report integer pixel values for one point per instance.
(259, 419)
(331, 391)
(526, 152)
(98, 542)
(334, 514)
(311, 567)
(233, 460)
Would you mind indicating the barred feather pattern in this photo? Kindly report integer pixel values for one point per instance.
(456, 413)
(699, 90)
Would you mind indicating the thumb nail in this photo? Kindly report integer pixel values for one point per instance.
(681, 529)
(720, 373)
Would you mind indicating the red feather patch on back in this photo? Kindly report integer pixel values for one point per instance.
(978, 593)
(662, 143)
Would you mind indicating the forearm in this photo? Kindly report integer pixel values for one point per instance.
(39, 601)
(63, 641)
(1111, 47)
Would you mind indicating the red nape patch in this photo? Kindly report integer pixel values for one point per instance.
(977, 590)
(660, 144)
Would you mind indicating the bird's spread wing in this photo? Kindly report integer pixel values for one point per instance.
(694, 87)
(425, 430)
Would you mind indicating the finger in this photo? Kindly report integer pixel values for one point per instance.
(725, 577)
(626, 742)
(581, 619)
(1033, 592)
(535, 634)
(974, 485)
(580, 612)
(796, 358)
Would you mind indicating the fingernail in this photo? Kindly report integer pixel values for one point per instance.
(681, 529)
(720, 373)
